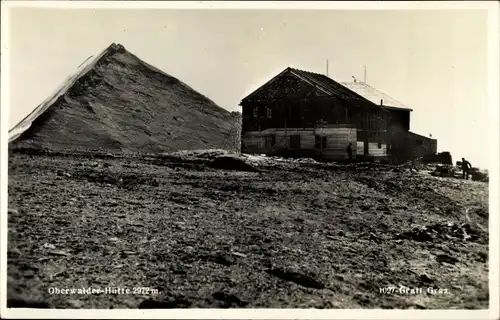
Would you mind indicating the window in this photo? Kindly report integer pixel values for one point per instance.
(380, 145)
(269, 113)
(295, 142)
(317, 142)
(255, 112)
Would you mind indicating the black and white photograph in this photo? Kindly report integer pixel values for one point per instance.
(215, 157)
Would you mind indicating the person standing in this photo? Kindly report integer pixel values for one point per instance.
(349, 151)
(466, 166)
(413, 160)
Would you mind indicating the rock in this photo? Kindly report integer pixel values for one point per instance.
(425, 278)
(373, 236)
(419, 305)
(239, 254)
(232, 163)
(362, 299)
(59, 253)
(136, 224)
(446, 258)
(482, 256)
(330, 237)
(222, 259)
(178, 269)
(229, 300)
(189, 249)
(420, 235)
(14, 252)
(297, 278)
(113, 239)
(49, 246)
(12, 211)
(180, 225)
(125, 254)
(172, 302)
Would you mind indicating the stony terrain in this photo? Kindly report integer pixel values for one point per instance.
(119, 103)
(300, 235)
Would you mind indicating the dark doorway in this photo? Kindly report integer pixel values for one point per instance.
(295, 142)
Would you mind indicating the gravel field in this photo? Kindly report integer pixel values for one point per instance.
(292, 235)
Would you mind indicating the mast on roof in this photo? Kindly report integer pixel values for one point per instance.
(364, 78)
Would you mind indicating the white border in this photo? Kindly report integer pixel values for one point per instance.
(4, 137)
(494, 127)
(218, 5)
(493, 93)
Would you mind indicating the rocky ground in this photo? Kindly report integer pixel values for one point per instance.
(118, 102)
(290, 235)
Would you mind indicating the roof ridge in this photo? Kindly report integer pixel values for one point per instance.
(307, 71)
(323, 83)
(330, 87)
(314, 81)
(385, 95)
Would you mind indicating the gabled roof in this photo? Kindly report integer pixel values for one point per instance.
(328, 85)
(321, 86)
(421, 136)
(375, 95)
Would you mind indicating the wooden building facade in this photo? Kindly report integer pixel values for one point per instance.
(300, 113)
(401, 142)
(424, 146)
(398, 127)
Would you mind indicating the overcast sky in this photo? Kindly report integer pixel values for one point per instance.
(435, 62)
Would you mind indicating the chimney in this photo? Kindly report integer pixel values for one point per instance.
(381, 102)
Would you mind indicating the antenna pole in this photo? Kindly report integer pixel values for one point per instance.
(327, 67)
(364, 79)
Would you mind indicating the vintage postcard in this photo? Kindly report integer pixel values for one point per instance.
(271, 160)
